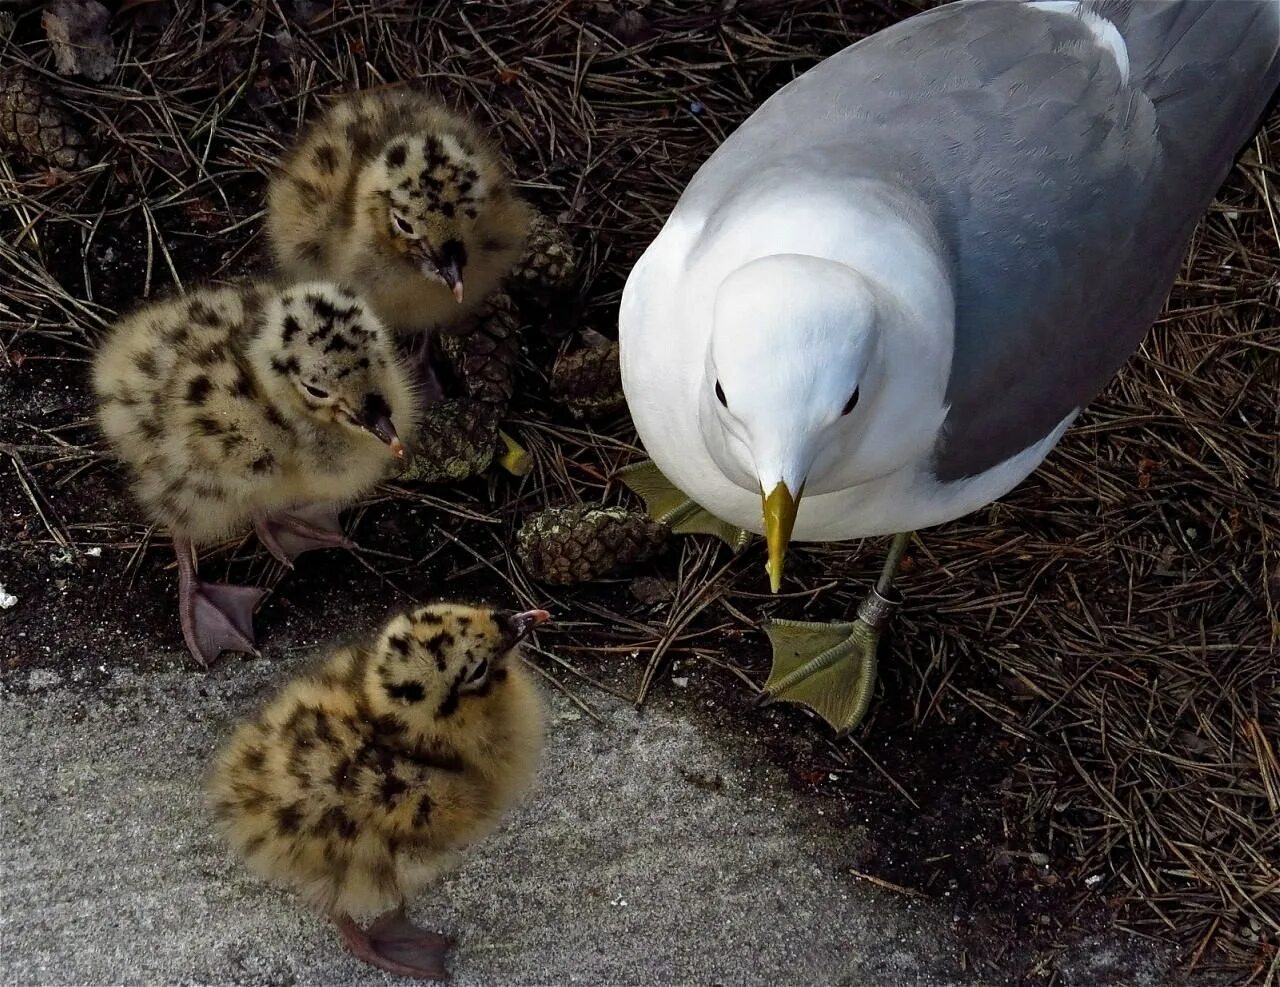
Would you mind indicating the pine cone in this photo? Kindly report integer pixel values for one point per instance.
(31, 120)
(589, 382)
(456, 440)
(564, 545)
(485, 355)
(547, 265)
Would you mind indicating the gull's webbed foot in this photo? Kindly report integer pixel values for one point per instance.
(667, 505)
(831, 668)
(395, 944)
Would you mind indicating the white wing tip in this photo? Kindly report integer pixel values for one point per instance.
(1104, 32)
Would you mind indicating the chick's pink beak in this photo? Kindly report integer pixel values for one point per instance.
(523, 623)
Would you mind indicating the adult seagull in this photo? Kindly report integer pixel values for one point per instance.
(881, 302)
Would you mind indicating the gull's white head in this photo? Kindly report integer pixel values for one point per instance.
(791, 361)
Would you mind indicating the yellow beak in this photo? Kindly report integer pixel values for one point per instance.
(779, 518)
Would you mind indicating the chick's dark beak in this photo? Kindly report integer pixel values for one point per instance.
(375, 417)
(519, 625)
(385, 431)
(449, 265)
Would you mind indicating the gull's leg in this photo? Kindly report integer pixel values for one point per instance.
(395, 944)
(287, 534)
(668, 505)
(215, 617)
(831, 668)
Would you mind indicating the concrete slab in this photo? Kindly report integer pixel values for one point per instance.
(650, 852)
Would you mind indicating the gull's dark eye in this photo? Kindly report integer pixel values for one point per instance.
(402, 224)
(851, 403)
(479, 672)
(316, 392)
(720, 395)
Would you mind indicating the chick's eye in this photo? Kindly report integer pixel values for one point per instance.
(479, 672)
(316, 392)
(720, 395)
(851, 403)
(402, 224)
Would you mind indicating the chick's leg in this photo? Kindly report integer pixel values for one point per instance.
(423, 354)
(215, 617)
(831, 668)
(395, 944)
(287, 534)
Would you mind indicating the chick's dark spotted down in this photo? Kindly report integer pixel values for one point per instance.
(251, 406)
(361, 781)
(392, 193)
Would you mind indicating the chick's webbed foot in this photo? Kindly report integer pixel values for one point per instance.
(215, 617)
(218, 617)
(668, 505)
(395, 944)
(288, 534)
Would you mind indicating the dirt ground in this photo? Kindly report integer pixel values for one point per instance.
(1075, 732)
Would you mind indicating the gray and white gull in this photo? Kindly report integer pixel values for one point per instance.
(881, 302)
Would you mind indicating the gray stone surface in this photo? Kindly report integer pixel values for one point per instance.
(649, 853)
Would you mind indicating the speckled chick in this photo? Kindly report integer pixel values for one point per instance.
(362, 780)
(403, 199)
(251, 405)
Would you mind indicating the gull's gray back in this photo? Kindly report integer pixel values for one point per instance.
(1064, 193)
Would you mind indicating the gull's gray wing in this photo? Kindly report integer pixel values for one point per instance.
(1064, 191)
(1063, 269)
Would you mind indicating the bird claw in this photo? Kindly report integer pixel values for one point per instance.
(830, 668)
(668, 505)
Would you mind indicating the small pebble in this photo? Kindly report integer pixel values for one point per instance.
(43, 678)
